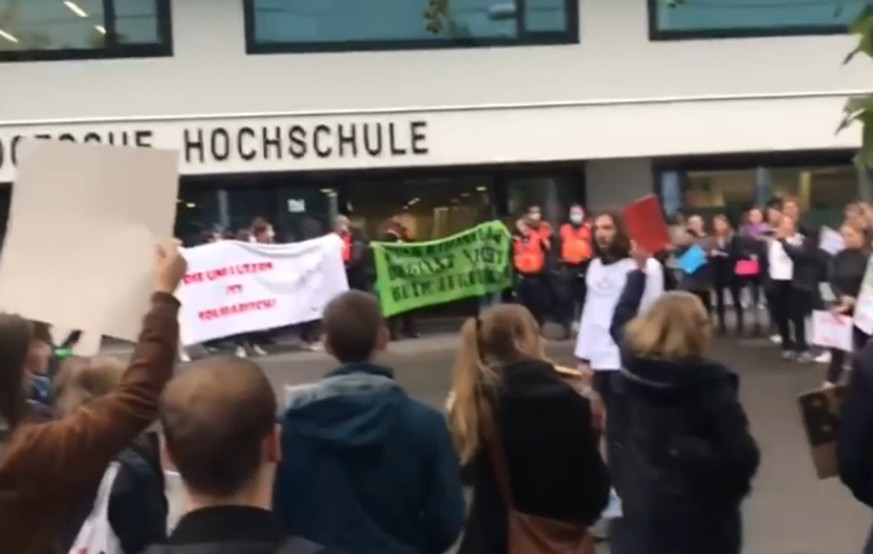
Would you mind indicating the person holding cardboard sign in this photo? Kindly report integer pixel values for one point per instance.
(43, 465)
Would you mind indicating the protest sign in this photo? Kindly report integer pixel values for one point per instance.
(832, 330)
(831, 241)
(820, 412)
(646, 225)
(84, 221)
(864, 305)
(468, 264)
(693, 259)
(238, 287)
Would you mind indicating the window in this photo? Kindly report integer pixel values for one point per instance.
(822, 190)
(79, 29)
(337, 25)
(673, 19)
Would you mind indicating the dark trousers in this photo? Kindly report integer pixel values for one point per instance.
(532, 293)
(733, 287)
(790, 308)
(705, 298)
(404, 321)
(572, 297)
(838, 357)
(610, 386)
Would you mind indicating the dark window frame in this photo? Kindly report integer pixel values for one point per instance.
(536, 38)
(112, 49)
(656, 34)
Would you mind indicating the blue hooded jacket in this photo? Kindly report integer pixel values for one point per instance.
(366, 469)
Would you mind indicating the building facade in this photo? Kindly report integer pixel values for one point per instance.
(445, 112)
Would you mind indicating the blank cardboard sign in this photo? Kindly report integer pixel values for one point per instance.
(82, 229)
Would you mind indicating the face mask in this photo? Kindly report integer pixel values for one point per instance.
(577, 218)
(534, 216)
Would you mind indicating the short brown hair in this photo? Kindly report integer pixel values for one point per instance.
(352, 322)
(215, 417)
(16, 333)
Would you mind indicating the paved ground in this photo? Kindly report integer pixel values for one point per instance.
(790, 511)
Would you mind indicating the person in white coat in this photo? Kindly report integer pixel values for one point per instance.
(595, 348)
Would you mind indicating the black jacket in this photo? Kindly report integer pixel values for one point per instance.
(847, 272)
(701, 279)
(807, 264)
(855, 443)
(137, 505)
(233, 530)
(736, 248)
(688, 457)
(551, 451)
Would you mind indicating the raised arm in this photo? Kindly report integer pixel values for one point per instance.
(80, 446)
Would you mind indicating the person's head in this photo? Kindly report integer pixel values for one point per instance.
(679, 218)
(774, 216)
(853, 236)
(16, 337)
(787, 225)
(721, 225)
(534, 214)
(610, 236)
(354, 329)
(791, 208)
(577, 214)
(695, 224)
(503, 334)
(219, 424)
(755, 216)
(341, 224)
(263, 233)
(675, 327)
(84, 379)
(244, 235)
(856, 216)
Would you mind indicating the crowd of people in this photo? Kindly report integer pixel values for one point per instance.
(354, 464)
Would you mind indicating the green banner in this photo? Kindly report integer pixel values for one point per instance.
(469, 264)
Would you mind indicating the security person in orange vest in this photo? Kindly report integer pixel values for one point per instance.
(354, 248)
(530, 251)
(574, 253)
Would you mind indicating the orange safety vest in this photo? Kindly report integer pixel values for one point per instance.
(575, 243)
(347, 246)
(528, 253)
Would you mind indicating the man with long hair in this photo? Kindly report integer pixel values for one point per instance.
(595, 348)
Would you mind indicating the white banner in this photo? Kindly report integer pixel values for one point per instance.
(832, 330)
(237, 287)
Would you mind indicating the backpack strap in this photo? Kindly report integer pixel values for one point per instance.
(494, 442)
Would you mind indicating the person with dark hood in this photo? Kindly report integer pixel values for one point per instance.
(369, 470)
(689, 457)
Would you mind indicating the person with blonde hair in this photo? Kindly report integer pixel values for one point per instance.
(137, 509)
(688, 457)
(525, 435)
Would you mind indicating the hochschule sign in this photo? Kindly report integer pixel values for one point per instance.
(242, 145)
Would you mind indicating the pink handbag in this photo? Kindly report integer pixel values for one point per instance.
(747, 268)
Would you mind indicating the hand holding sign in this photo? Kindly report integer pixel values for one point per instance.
(170, 267)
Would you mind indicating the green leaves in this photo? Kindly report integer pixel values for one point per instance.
(859, 109)
(436, 14)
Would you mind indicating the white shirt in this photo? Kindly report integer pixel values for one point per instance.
(779, 263)
(605, 284)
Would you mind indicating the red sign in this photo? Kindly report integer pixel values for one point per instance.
(646, 225)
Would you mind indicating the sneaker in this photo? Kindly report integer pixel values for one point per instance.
(241, 352)
(804, 358)
(184, 357)
(823, 358)
(788, 356)
(258, 350)
(574, 327)
(775, 339)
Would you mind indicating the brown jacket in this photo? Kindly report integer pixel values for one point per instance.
(46, 467)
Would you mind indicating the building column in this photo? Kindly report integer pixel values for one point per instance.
(223, 209)
(613, 183)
